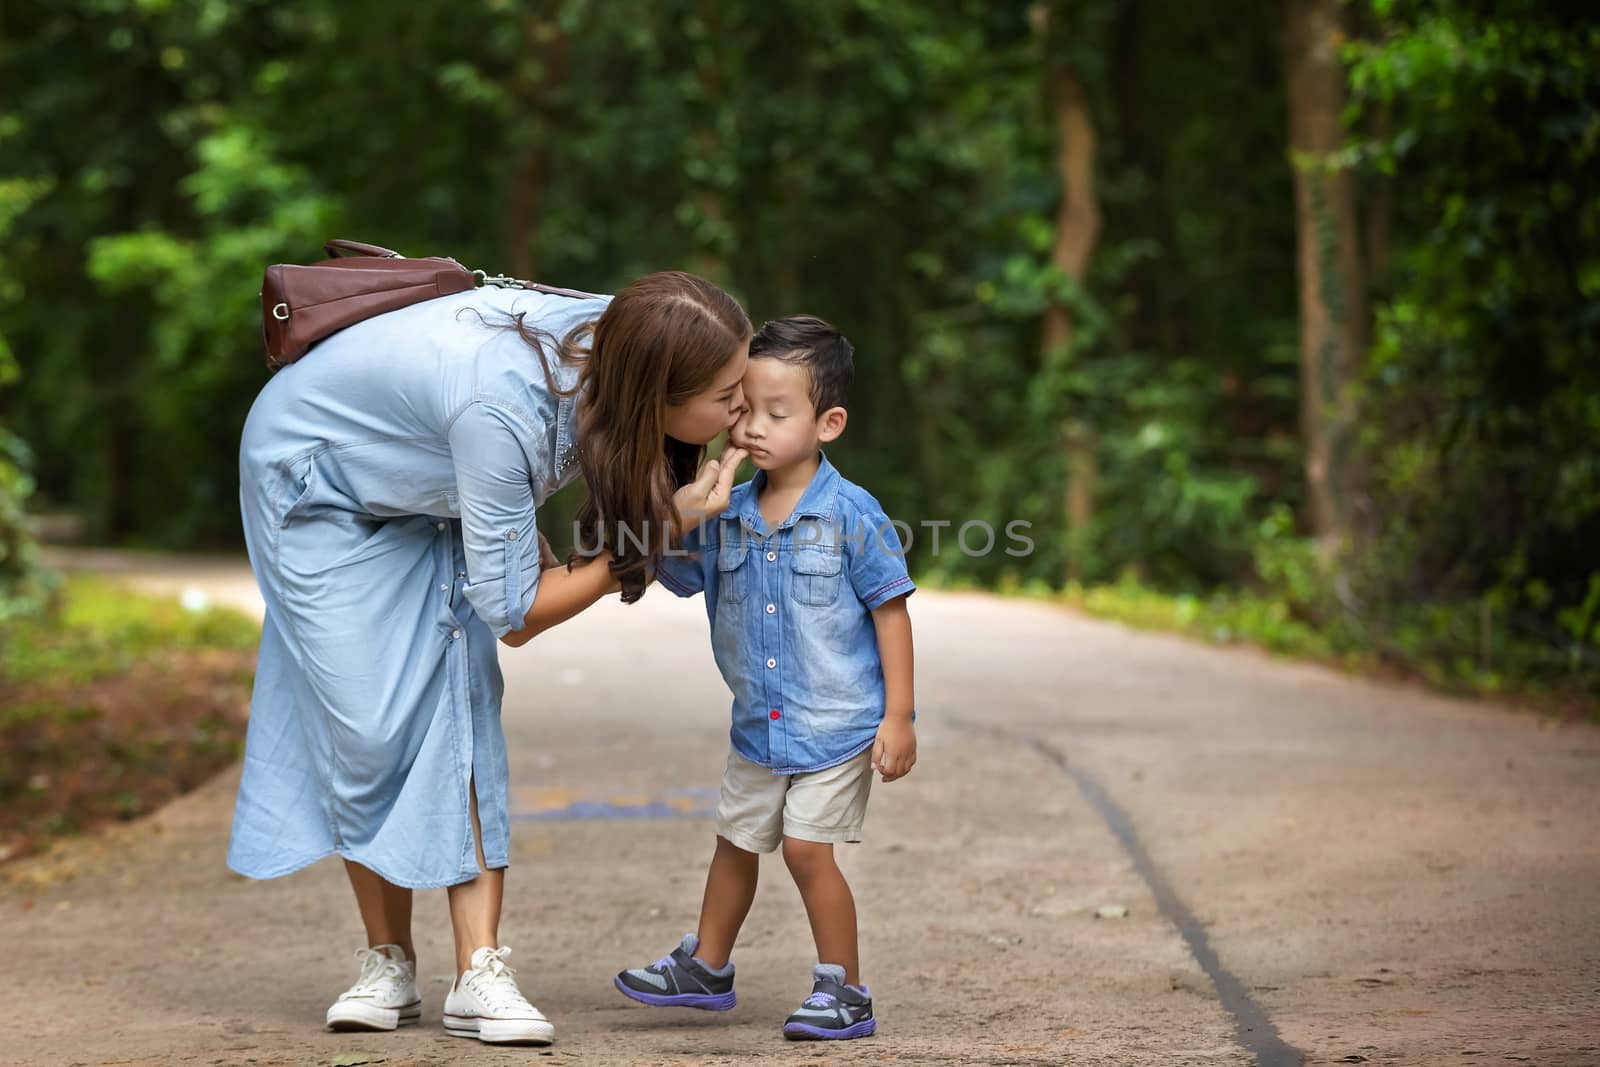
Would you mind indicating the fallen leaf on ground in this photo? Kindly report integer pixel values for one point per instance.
(1111, 911)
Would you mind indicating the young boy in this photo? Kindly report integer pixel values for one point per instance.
(805, 585)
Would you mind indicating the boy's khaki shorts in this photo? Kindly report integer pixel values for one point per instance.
(759, 809)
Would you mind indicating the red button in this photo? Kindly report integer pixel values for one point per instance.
(774, 713)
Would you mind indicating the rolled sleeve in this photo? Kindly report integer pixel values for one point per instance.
(683, 573)
(494, 487)
(877, 560)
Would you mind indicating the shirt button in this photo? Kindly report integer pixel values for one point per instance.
(444, 587)
(775, 714)
(771, 556)
(440, 526)
(455, 635)
(461, 574)
(771, 663)
(771, 608)
(511, 535)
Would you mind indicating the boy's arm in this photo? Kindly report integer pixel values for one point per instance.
(894, 752)
(681, 570)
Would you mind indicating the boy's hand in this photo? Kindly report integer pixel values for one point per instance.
(894, 752)
(548, 559)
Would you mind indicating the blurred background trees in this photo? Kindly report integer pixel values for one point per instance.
(1297, 303)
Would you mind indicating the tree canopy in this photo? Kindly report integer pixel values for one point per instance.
(1301, 299)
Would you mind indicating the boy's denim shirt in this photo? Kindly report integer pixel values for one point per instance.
(791, 618)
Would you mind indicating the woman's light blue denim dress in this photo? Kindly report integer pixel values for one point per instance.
(388, 482)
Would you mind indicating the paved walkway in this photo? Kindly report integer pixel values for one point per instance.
(1315, 869)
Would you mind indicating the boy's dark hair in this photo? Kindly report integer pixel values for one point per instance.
(809, 342)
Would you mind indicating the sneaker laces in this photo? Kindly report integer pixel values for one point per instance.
(375, 966)
(496, 982)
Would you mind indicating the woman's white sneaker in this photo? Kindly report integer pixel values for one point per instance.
(485, 1003)
(384, 997)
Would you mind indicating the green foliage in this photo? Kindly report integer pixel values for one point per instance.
(112, 705)
(102, 629)
(888, 164)
(1484, 377)
(1221, 618)
(24, 585)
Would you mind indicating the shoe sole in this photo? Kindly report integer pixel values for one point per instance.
(703, 1001)
(496, 1032)
(805, 1032)
(366, 1017)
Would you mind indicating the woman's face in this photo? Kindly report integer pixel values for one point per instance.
(714, 409)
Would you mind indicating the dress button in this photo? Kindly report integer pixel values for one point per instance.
(771, 663)
(439, 526)
(771, 556)
(775, 714)
(771, 608)
(455, 635)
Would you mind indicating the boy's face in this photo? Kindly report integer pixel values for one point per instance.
(780, 426)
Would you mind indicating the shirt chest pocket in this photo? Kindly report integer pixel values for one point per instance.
(816, 575)
(733, 576)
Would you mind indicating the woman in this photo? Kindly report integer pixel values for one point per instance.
(388, 484)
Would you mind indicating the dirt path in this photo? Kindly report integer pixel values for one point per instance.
(1315, 868)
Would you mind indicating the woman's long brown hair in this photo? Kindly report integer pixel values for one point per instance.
(662, 340)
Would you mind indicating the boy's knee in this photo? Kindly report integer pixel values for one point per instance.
(806, 858)
(729, 851)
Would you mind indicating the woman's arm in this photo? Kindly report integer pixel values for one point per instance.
(563, 593)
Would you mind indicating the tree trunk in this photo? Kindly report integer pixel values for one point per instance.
(1379, 207)
(710, 259)
(1077, 230)
(523, 201)
(543, 70)
(1332, 303)
(1078, 216)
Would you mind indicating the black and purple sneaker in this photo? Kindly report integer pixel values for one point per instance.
(680, 981)
(834, 1011)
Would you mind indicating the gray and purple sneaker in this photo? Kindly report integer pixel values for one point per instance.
(834, 1011)
(679, 980)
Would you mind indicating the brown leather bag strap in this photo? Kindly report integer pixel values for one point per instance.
(358, 248)
(505, 282)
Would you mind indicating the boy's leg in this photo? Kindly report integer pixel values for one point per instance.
(698, 973)
(730, 890)
(823, 808)
(829, 903)
(749, 822)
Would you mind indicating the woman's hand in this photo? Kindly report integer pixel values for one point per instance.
(708, 494)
